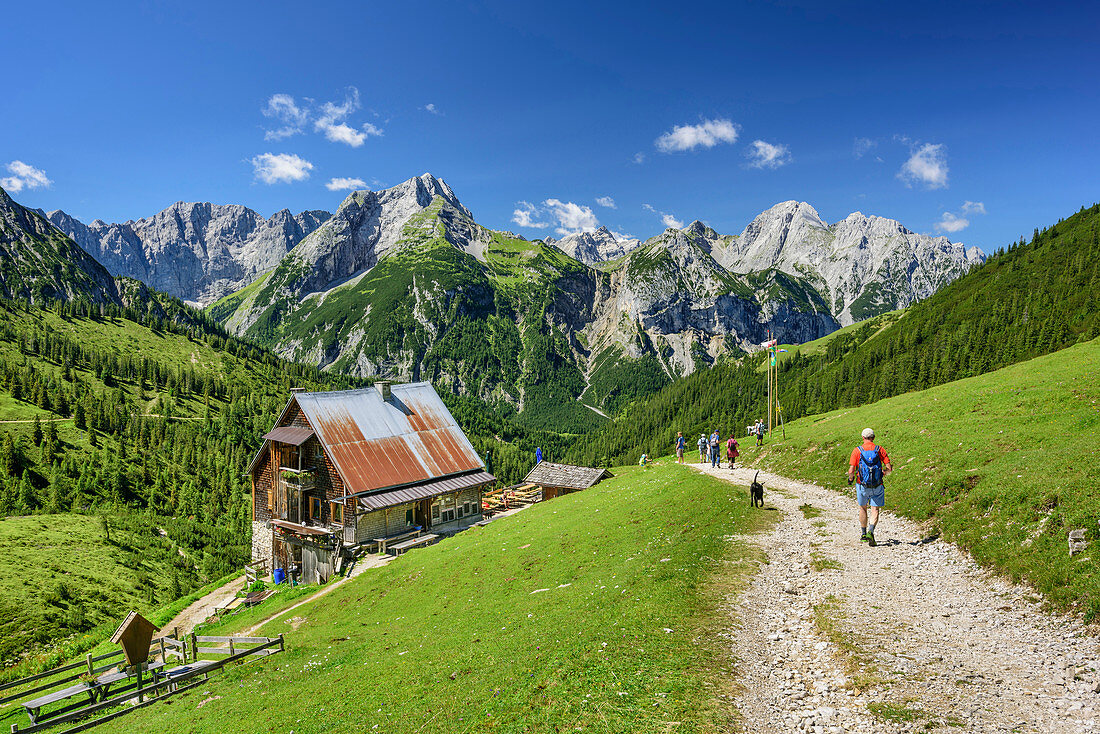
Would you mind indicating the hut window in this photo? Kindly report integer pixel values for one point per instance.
(410, 516)
(435, 510)
(469, 507)
(447, 503)
(336, 512)
(315, 508)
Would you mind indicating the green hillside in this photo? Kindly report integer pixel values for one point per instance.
(146, 423)
(69, 573)
(599, 610)
(1004, 464)
(1023, 302)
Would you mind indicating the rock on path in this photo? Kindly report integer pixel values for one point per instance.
(833, 636)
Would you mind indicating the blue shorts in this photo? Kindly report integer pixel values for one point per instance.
(874, 496)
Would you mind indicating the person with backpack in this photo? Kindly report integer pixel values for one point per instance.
(760, 432)
(702, 448)
(712, 445)
(731, 450)
(868, 466)
(680, 443)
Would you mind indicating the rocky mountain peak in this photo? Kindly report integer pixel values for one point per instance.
(596, 246)
(196, 251)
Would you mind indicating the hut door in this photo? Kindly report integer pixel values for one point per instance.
(423, 514)
(315, 565)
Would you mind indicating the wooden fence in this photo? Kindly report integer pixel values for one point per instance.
(191, 672)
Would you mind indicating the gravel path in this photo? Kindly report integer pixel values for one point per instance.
(201, 609)
(833, 636)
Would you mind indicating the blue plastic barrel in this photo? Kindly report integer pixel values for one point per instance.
(278, 575)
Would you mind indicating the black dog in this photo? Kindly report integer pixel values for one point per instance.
(756, 491)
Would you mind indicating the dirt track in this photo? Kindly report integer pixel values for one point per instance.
(834, 636)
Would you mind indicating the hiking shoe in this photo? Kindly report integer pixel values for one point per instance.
(871, 540)
(864, 537)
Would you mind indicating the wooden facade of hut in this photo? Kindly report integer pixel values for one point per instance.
(344, 468)
(559, 479)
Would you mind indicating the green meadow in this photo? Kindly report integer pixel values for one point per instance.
(1004, 464)
(597, 611)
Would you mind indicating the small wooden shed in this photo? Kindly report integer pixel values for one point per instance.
(559, 479)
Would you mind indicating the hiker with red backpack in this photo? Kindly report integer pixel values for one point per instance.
(867, 467)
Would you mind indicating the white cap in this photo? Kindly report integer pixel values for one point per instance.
(868, 433)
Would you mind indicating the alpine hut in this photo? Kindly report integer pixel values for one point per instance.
(349, 468)
(559, 479)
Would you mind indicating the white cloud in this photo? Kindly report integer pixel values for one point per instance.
(282, 168)
(24, 176)
(606, 201)
(331, 121)
(283, 108)
(430, 107)
(667, 219)
(952, 223)
(927, 166)
(707, 134)
(863, 146)
(524, 215)
(346, 184)
(639, 158)
(973, 207)
(766, 155)
(571, 217)
(622, 236)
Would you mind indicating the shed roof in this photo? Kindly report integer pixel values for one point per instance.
(378, 500)
(565, 475)
(381, 444)
(296, 435)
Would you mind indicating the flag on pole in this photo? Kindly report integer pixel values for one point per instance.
(771, 343)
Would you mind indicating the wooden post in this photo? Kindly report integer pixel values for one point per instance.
(163, 658)
(91, 668)
(194, 648)
(141, 696)
(232, 652)
(280, 642)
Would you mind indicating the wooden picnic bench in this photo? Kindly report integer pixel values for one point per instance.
(383, 543)
(97, 690)
(404, 545)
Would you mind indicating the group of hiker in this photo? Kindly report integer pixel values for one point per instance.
(710, 448)
(867, 467)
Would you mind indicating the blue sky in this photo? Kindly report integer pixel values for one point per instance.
(975, 120)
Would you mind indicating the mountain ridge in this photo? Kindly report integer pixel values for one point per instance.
(666, 306)
(196, 251)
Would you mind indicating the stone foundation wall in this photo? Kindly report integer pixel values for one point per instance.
(261, 542)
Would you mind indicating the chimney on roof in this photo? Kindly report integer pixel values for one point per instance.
(297, 389)
(383, 387)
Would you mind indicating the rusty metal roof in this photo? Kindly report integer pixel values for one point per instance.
(546, 474)
(295, 435)
(379, 500)
(384, 444)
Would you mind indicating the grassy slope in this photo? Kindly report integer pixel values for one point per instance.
(1005, 464)
(59, 565)
(104, 579)
(555, 618)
